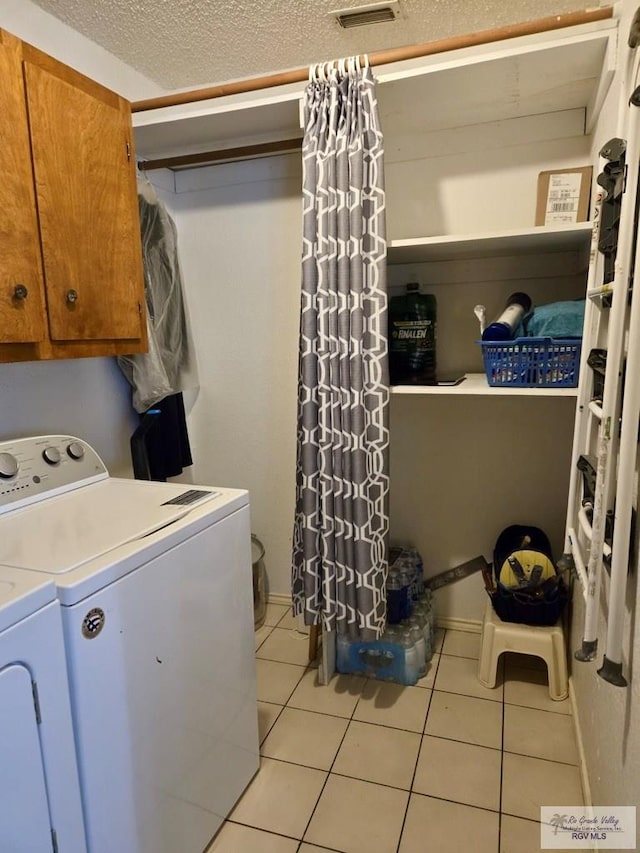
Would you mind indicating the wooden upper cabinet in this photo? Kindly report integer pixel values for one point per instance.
(22, 312)
(88, 225)
(69, 226)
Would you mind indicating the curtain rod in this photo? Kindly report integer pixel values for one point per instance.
(382, 57)
(221, 155)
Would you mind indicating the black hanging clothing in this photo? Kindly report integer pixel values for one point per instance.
(167, 443)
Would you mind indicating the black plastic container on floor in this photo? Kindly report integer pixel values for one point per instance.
(528, 588)
(412, 338)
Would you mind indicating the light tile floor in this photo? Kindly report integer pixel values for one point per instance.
(362, 766)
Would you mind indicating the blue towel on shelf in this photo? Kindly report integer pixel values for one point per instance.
(556, 320)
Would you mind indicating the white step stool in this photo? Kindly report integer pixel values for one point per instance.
(538, 640)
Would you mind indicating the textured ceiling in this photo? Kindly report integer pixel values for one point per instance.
(185, 43)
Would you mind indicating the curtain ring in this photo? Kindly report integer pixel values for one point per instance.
(351, 65)
(342, 65)
(312, 74)
(366, 61)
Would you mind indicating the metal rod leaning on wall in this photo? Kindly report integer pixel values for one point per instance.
(383, 57)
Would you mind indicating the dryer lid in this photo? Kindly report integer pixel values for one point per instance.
(59, 534)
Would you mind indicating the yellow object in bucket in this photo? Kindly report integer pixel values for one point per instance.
(526, 560)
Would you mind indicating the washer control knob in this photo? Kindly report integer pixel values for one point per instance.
(8, 466)
(75, 450)
(51, 455)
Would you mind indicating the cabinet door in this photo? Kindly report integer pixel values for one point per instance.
(87, 203)
(21, 293)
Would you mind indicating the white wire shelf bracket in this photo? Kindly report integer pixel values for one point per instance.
(585, 526)
(595, 409)
(600, 292)
(578, 561)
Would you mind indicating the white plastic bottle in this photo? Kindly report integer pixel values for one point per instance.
(428, 604)
(407, 601)
(417, 636)
(342, 653)
(421, 613)
(413, 555)
(411, 667)
(392, 638)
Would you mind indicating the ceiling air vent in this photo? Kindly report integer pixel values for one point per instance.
(375, 13)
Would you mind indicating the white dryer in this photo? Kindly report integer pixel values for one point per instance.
(154, 582)
(40, 807)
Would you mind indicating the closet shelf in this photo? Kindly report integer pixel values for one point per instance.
(549, 72)
(476, 385)
(528, 241)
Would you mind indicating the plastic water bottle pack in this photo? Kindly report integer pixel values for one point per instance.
(406, 647)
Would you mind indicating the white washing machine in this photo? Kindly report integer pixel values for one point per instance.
(40, 807)
(154, 582)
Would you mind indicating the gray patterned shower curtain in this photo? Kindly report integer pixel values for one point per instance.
(340, 540)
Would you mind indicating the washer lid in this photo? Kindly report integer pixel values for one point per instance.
(61, 533)
(21, 595)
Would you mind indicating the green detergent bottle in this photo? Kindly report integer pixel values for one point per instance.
(412, 338)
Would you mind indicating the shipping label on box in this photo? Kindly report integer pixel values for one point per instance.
(563, 196)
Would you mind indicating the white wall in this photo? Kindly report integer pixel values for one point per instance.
(462, 469)
(240, 239)
(85, 397)
(471, 179)
(610, 716)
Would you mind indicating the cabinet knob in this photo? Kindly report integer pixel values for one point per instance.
(72, 296)
(20, 292)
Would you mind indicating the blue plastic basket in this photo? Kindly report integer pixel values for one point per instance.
(532, 362)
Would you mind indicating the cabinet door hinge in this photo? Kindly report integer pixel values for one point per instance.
(128, 150)
(36, 701)
(54, 840)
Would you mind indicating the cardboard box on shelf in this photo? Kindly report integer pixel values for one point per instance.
(563, 196)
